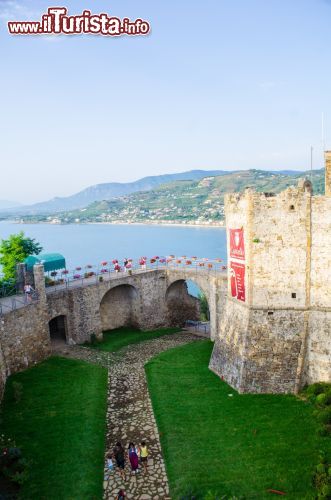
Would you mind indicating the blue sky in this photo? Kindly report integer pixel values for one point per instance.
(228, 84)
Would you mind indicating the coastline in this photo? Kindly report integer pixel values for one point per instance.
(147, 223)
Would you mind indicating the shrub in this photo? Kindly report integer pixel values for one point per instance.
(12, 466)
(321, 399)
(315, 389)
(326, 490)
(320, 469)
(325, 416)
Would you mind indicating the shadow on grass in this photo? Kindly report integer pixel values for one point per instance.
(114, 340)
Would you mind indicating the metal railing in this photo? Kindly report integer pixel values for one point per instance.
(91, 274)
(199, 326)
(8, 304)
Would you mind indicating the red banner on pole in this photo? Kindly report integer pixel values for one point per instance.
(237, 247)
(237, 280)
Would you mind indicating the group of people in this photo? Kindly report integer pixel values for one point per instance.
(127, 264)
(135, 455)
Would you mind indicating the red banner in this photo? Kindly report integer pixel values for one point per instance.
(237, 247)
(237, 280)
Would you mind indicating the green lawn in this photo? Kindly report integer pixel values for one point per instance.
(239, 445)
(114, 340)
(60, 425)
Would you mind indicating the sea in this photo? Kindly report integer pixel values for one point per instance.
(83, 244)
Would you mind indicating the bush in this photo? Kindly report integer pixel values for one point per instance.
(326, 491)
(320, 469)
(13, 468)
(8, 288)
(316, 389)
(325, 416)
(321, 399)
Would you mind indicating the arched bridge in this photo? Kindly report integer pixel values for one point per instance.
(146, 299)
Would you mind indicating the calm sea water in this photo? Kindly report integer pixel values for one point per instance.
(83, 244)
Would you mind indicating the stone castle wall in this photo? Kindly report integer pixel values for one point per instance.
(138, 300)
(270, 317)
(275, 336)
(24, 335)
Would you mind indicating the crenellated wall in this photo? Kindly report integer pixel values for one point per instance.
(270, 316)
(276, 333)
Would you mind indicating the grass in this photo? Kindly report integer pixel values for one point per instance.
(239, 445)
(114, 340)
(59, 423)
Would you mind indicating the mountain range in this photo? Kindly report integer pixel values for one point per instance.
(111, 190)
(199, 201)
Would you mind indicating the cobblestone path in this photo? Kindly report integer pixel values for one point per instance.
(129, 414)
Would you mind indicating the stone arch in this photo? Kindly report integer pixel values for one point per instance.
(118, 307)
(181, 306)
(58, 329)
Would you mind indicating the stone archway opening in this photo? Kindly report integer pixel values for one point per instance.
(187, 306)
(58, 329)
(118, 308)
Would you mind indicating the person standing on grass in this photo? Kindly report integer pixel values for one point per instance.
(144, 455)
(119, 456)
(133, 458)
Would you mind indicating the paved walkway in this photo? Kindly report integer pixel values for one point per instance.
(129, 415)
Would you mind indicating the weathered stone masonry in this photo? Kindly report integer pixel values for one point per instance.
(279, 338)
(274, 336)
(147, 300)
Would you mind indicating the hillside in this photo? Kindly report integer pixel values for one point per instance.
(183, 201)
(107, 191)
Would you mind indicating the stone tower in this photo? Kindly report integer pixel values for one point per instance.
(275, 333)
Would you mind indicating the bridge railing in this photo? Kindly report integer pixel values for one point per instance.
(92, 274)
(8, 304)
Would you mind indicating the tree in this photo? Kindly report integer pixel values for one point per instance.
(204, 308)
(14, 250)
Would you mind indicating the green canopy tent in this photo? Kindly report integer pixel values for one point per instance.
(51, 261)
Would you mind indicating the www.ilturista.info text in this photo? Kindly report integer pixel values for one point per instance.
(57, 22)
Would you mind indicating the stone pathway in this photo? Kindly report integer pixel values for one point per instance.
(129, 414)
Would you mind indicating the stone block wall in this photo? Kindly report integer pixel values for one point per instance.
(137, 300)
(279, 249)
(318, 362)
(277, 336)
(25, 337)
(181, 306)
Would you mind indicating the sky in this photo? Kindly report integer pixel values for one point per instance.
(217, 84)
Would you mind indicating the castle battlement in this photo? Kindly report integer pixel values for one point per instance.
(277, 317)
